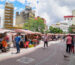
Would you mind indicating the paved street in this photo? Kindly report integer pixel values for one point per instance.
(53, 55)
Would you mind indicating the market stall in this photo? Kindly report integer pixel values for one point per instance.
(3, 42)
(35, 38)
(31, 39)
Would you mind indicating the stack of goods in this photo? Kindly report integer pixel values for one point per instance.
(31, 45)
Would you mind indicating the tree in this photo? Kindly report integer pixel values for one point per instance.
(55, 30)
(70, 30)
(36, 25)
(51, 29)
(47, 31)
(26, 26)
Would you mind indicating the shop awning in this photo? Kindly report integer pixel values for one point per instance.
(5, 30)
(23, 31)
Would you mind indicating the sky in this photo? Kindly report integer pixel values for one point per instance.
(52, 10)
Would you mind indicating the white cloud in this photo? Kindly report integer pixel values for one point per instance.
(1, 13)
(47, 18)
(60, 11)
(33, 3)
(1, 0)
(15, 8)
(1, 5)
(53, 11)
(12, 0)
(21, 9)
(68, 1)
(21, 1)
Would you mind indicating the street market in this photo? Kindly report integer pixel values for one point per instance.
(29, 38)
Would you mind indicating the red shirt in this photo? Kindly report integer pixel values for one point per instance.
(69, 40)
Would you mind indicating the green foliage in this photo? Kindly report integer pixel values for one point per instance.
(70, 30)
(47, 31)
(35, 25)
(26, 26)
(55, 30)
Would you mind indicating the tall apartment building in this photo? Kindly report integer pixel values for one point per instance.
(29, 13)
(23, 16)
(8, 19)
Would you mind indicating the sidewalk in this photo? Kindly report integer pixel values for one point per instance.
(11, 53)
(72, 59)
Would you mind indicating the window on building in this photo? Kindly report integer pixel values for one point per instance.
(8, 11)
(7, 20)
(71, 18)
(8, 14)
(65, 19)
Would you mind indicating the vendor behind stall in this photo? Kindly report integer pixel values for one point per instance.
(22, 42)
(4, 43)
(7, 38)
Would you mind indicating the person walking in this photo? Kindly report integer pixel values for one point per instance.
(68, 43)
(17, 41)
(73, 43)
(45, 40)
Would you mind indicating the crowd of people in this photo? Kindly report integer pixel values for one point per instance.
(69, 38)
(18, 41)
(22, 42)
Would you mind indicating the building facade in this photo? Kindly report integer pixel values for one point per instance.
(70, 19)
(24, 16)
(8, 16)
(62, 26)
(73, 18)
